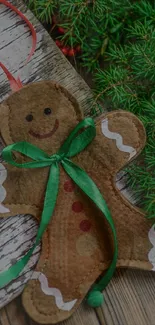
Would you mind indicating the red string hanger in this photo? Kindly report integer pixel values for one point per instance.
(16, 84)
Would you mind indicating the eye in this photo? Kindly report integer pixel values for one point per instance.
(47, 111)
(29, 118)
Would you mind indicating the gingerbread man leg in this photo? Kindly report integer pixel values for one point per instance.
(71, 260)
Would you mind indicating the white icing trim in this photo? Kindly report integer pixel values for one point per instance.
(67, 306)
(119, 140)
(151, 254)
(3, 176)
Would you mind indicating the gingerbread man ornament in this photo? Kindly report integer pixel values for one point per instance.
(77, 246)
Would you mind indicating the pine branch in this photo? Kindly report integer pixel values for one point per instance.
(43, 9)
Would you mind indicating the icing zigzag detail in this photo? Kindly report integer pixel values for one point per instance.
(118, 138)
(151, 254)
(3, 176)
(56, 293)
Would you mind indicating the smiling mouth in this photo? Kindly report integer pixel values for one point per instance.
(47, 135)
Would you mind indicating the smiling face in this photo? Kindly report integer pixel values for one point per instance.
(41, 113)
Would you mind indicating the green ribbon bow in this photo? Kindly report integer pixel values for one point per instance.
(77, 141)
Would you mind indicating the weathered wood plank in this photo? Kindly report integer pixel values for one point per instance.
(121, 184)
(82, 316)
(14, 314)
(47, 63)
(16, 237)
(129, 299)
(3, 317)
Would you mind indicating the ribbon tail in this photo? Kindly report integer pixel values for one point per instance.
(14, 84)
(50, 199)
(49, 205)
(87, 185)
(13, 272)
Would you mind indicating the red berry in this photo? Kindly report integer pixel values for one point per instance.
(78, 48)
(58, 43)
(72, 52)
(64, 50)
(61, 30)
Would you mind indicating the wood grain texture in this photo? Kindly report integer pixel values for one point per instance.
(130, 298)
(47, 63)
(14, 314)
(16, 237)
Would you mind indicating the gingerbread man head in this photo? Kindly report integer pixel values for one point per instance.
(78, 245)
(42, 114)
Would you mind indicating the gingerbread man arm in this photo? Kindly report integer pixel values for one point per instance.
(11, 196)
(16, 191)
(7, 207)
(4, 124)
(120, 138)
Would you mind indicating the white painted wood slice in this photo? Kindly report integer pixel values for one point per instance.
(17, 235)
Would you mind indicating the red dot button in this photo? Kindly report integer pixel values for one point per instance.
(69, 186)
(85, 225)
(77, 206)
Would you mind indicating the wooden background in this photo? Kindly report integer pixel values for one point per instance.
(130, 297)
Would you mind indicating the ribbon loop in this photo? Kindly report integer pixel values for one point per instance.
(39, 157)
(77, 141)
(79, 138)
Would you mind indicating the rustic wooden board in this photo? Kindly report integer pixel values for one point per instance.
(130, 296)
(47, 62)
(129, 299)
(16, 237)
(14, 314)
